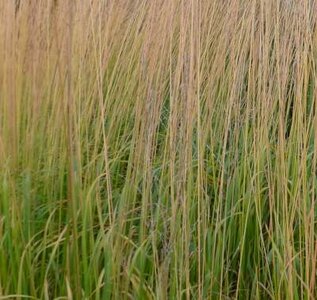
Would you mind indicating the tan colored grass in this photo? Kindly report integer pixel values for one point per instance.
(158, 149)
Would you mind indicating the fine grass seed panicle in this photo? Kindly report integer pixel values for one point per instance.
(161, 149)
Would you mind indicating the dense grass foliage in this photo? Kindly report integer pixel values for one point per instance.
(162, 149)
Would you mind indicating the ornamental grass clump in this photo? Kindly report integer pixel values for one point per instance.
(159, 149)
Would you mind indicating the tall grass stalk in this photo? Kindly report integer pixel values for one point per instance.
(161, 149)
